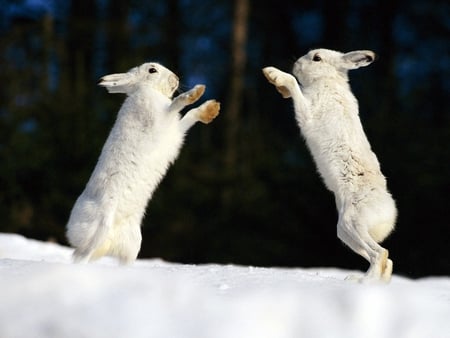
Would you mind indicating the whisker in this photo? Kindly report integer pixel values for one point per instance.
(293, 58)
(182, 88)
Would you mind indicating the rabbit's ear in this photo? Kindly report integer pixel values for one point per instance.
(359, 58)
(117, 83)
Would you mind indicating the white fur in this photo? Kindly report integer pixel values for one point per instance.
(145, 140)
(327, 114)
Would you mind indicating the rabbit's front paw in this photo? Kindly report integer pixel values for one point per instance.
(195, 93)
(282, 81)
(208, 111)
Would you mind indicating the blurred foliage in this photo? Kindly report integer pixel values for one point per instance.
(270, 207)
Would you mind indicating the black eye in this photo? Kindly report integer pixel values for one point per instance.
(317, 58)
(152, 70)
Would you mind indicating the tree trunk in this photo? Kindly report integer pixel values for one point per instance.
(80, 44)
(172, 35)
(117, 36)
(336, 29)
(234, 101)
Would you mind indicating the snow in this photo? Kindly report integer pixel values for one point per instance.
(42, 294)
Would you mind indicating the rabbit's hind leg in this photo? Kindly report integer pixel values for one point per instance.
(358, 239)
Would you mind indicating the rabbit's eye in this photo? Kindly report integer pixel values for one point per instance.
(317, 58)
(152, 70)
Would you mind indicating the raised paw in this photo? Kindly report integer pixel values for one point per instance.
(208, 111)
(281, 80)
(195, 93)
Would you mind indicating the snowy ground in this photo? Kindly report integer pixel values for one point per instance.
(42, 294)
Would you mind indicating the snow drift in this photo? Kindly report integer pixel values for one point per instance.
(42, 294)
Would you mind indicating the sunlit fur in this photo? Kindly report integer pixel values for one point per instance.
(327, 114)
(145, 139)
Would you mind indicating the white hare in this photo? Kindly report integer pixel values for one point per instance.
(327, 114)
(146, 138)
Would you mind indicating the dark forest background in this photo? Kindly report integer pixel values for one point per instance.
(244, 189)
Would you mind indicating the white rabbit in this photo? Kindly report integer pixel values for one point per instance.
(145, 139)
(327, 114)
